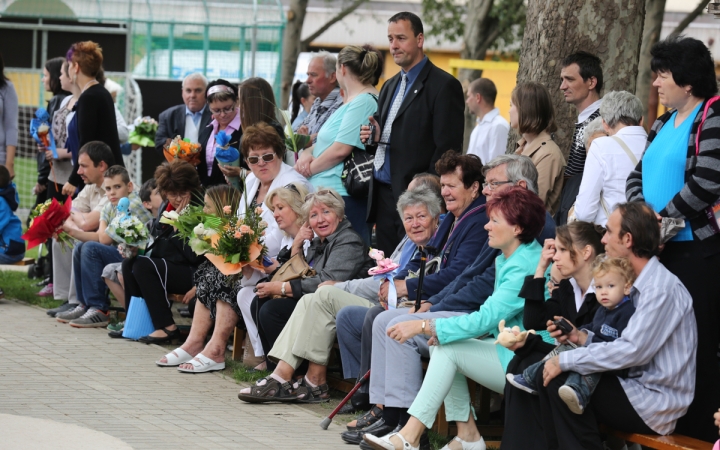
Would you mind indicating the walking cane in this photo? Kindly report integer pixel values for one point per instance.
(326, 421)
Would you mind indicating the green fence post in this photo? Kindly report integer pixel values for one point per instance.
(171, 48)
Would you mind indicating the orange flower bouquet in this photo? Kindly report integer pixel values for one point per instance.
(183, 149)
(238, 243)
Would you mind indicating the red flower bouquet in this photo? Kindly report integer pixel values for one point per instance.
(48, 223)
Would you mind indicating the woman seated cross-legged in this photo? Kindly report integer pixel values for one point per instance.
(310, 332)
(336, 254)
(517, 216)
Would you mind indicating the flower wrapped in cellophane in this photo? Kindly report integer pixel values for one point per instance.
(227, 155)
(143, 132)
(183, 149)
(127, 230)
(41, 130)
(46, 221)
(294, 142)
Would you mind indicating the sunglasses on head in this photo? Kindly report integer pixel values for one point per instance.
(267, 157)
(321, 192)
(291, 187)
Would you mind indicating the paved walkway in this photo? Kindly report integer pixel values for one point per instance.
(112, 386)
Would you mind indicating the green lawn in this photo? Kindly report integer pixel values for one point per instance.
(25, 178)
(19, 287)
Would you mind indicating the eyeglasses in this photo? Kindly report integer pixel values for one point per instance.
(291, 187)
(322, 192)
(267, 157)
(219, 112)
(494, 184)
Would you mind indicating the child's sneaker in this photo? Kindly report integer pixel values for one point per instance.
(571, 399)
(72, 314)
(93, 318)
(116, 326)
(519, 382)
(47, 291)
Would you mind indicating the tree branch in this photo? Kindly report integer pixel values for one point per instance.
(689, 18)
(340, 16)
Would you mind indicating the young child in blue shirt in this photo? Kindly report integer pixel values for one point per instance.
(612, 278)
(12, 246)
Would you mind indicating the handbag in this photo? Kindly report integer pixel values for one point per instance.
(713, 211)
(357, 171)
(138, 322)
(294, 268)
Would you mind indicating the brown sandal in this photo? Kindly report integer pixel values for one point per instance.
(367, 419)
(271, 392)
(308, 394)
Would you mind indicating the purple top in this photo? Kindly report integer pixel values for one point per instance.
(233, 126)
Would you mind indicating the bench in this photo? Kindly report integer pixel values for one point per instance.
(671, 442)
(25, 262)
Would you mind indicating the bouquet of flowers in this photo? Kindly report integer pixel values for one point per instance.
(294, 142)
(46, 221)
(194, 226)
(226, 155)
(127, 230)
(41, 130)
(183, 149)
(143, 133)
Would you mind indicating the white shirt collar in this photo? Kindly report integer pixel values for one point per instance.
(582, 117)
(487, 118)
(579, 298)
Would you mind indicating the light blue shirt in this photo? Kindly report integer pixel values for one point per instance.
(342, 126)
(383, 174)
(664, 167)
(196, 117)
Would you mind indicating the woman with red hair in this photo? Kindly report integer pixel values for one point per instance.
(517, 216)
(94, 119)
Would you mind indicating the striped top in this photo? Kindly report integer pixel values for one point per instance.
(658, 346)
(578, 153)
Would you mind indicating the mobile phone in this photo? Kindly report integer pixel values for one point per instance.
(267, 262)
(563, 325)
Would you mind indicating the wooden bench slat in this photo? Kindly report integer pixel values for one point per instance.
(671, 442)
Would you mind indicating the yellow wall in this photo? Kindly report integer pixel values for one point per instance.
(27, 86)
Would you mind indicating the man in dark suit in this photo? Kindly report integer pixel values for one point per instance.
(189, 120)
(414, 125)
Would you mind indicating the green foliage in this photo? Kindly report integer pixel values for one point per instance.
(18, 286)
(444, 19)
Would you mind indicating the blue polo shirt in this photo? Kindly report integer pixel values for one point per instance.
(383, 175)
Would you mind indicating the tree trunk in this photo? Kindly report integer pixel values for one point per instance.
(690, 17)
(654, 12)
(610, 29)
(291, 48)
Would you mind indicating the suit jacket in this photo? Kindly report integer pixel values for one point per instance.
(429, 123)
(172, 123)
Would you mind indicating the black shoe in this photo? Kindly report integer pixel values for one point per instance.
(347, 408)
(116, 334)
(377, 429)
(172, 335)
(365, 446)
(184, 312)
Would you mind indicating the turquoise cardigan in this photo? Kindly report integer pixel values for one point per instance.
(504, 303)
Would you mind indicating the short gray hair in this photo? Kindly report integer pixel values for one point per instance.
(519, 168)
(592, 130)
(195, 76)
(420, 196)
(329, 62)
(328, 197)
(621, 107)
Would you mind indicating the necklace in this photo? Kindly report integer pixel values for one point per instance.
(88, 84)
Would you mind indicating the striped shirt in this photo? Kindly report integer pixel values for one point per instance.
(578, 153)
(658, 346)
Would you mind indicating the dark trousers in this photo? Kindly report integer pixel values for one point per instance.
(699, 274)
(356, 212)
(55, 193)
(389, 229)
(567, 430)
(270, 316)
(145, 277)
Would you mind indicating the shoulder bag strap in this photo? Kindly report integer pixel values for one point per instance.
(633, 159)
(702, 122)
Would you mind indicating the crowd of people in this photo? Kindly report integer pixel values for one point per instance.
(608, 255)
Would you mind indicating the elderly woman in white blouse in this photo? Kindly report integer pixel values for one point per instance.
(610, 159)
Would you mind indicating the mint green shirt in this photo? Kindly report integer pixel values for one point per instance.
(504, 303)
(342, 126)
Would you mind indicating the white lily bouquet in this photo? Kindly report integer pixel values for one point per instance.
(127, 230)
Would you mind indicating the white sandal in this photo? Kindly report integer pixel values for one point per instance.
(477, 445)
(383, 443)
(202, 364)
(175, 358)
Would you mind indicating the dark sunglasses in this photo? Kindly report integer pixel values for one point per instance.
(267, 157)
(291, 187)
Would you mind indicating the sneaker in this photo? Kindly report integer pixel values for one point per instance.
(571, 399)
(43, 283)
(47, 291)
(93, 318)
(519, 382)
(71, 314)
(62, 308)
(116, 326)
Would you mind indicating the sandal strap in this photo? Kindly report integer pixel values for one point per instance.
(369, 417)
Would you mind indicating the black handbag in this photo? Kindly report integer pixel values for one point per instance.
(357, 172)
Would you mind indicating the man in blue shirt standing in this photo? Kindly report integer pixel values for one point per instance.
(419, 117)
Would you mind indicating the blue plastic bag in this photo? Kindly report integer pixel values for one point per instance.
(138, 322)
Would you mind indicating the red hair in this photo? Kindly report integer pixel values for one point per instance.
(87, 55)
(520, 207)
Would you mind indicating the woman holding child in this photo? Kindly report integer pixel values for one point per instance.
(517, 216)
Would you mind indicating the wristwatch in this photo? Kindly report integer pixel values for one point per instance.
(282, 288)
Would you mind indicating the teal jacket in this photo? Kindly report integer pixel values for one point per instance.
(504, 303)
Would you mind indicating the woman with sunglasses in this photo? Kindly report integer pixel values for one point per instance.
(222, 102)
(358, 71)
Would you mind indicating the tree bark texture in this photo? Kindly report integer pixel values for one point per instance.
(610, 29)
(654, 12)
(291, 47)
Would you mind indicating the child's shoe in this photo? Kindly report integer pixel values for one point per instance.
(571, 399)
(519, 382)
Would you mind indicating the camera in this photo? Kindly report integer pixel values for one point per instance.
(371, 140)
(563, 325)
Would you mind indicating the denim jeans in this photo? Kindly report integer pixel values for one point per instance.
(6, 259)
(89, 260)
(529, 373)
